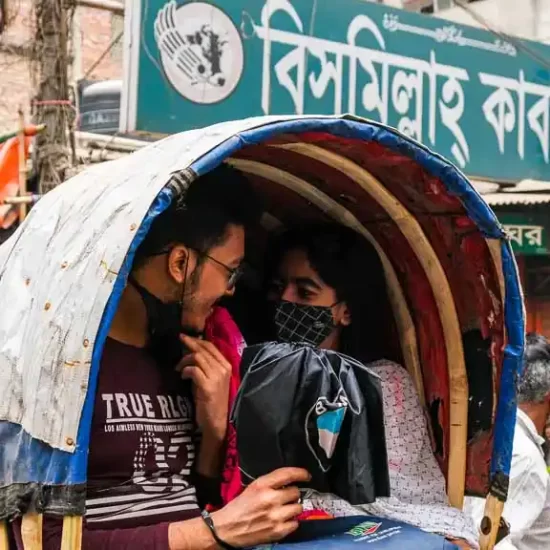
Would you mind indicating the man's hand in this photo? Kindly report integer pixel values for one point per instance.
(211, 375)
(265, 512)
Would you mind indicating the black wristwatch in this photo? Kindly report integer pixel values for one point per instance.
(210, 524)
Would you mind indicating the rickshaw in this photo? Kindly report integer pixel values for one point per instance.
(455, 303)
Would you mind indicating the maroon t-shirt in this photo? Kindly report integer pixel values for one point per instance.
(142, 451)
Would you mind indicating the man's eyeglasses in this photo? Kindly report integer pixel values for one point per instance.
(235, 273)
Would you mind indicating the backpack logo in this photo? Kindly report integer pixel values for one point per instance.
(323, 425)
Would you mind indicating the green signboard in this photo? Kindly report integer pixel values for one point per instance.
(528, 233)
(480, 101)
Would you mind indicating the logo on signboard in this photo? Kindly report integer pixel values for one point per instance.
(201, 50)
(364, 529)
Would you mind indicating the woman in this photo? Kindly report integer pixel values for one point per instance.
(327, 289)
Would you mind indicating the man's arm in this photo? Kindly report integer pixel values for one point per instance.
(265, 512)
(526, 497)
(192, 534)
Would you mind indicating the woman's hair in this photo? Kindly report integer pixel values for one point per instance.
(349, 264)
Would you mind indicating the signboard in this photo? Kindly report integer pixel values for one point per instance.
(528, 233)
(480, 101)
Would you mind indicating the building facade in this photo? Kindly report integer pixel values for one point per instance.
(523, 205)
(94, 29)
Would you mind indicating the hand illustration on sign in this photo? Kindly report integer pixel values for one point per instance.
(201, 50)
(173, 45)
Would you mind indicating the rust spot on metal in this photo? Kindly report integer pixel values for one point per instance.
(71, 363)
(69, 441)
(86, 343)
(64, 265)
(47, 306)
(27, 282)
(133, 227)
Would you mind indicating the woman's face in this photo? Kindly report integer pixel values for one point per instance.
(297, 282)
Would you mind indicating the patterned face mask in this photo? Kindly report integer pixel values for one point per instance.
(299, 323)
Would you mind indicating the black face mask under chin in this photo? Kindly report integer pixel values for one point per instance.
(163, 326)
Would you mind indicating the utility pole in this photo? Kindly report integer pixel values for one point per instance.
(52, 105)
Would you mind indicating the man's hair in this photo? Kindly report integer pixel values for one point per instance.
(200, 219)
(348, 263)
(534, 384)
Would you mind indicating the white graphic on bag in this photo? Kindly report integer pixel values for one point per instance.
(325, 420)
(200, 49)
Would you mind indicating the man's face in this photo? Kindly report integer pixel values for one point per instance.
(296, 281)
(211, 282)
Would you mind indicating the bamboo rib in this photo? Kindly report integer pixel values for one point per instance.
(72, 533)
(495, 250)
(4, 541)
(412, 231)
(405, 325)
(494, 246)
(31, 531)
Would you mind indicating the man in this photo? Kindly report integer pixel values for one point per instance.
(147, 474)
(527, 509)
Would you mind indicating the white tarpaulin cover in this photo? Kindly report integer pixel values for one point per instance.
(57, 273)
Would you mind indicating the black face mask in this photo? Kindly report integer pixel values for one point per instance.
(303, 324)
(163, 326)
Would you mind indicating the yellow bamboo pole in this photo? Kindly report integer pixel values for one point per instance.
(4, 541)
(490, 522)
(72, 533)
(22, 166)
(31, 531)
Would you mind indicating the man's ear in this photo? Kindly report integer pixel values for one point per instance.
(178, 267)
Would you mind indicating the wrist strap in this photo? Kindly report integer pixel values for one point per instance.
(210, 524)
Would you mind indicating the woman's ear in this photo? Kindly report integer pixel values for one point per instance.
(177, 263)
(345, 321)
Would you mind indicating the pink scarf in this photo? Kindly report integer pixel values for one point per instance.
(223, 332)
